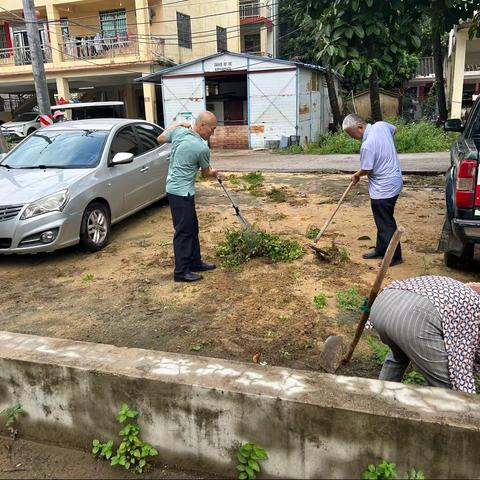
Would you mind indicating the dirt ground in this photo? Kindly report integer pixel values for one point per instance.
(21, 459)
(124, 295)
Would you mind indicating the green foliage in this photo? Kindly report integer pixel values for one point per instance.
(412, 377)
(379, 349)
(414, 137)
(248, 456)
(132, 453)
(425, 268)
(241, 245)
(11, 414)
(254, 179)
(88, 277)
(277, 195)
(387, 471)
(349, 299)
(233, 179)
(320, 300)
(312, 232)
(196, 347)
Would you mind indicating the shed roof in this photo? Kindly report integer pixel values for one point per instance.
(156, 77)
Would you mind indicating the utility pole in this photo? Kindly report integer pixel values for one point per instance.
(36, 55)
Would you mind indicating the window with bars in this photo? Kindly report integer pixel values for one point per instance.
(65, 25)
(222, 44)
(4, 53)
(113, 23)
(184, 30)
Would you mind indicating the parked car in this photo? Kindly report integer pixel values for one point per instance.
(21, 126)
(461, 230)
(69, 182)
(89, 110)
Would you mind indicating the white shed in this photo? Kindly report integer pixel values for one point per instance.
(257, 100)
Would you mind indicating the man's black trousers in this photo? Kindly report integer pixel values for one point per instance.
(383, 210)
(186, 245)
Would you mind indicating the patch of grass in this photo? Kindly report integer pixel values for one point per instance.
(411, 137)
(254, 179)
(241, 245)
(88, 277)
(349, 299)
(312, 232)
(320, 300)
(277, 195)
(284, 318)
(278, 216)
(233, 179)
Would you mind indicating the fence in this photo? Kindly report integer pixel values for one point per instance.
(78, 48)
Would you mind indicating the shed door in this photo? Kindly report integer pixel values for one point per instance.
(183, 97)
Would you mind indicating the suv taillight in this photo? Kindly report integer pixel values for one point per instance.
(466, 183)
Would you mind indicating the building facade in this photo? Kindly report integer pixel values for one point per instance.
(93, 50)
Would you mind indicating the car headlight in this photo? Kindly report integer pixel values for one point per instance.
(52, 203)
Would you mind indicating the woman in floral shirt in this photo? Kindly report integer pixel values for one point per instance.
(434, 322)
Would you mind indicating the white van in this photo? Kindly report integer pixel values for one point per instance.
(88, 110)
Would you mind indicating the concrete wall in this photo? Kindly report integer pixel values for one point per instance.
(195, 410)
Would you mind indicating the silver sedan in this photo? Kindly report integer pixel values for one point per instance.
(68, 183)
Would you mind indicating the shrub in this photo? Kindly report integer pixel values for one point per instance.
(241, 245)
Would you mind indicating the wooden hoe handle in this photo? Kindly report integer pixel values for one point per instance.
(387, 259)
(335, 210)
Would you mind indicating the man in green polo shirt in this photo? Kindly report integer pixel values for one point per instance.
(189, 153)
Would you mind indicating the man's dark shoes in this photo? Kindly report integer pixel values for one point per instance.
(187, 277)
(371, 254)
(203, 267)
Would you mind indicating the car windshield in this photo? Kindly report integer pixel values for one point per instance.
(25, 117)
(58, 149)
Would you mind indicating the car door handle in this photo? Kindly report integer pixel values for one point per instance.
(145, 169)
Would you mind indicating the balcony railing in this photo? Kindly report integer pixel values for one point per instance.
(472, 67)
(78, 48)
(254, 9)
(22, 55)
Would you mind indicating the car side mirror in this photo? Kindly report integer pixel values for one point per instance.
(453, 125)
(121, 158)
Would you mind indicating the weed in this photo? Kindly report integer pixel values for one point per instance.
(412, 377)
(132, 452)
(425, 268)
(11, 414)
(312, 232)
(241, 245)
(278, 216)
(277, 195)
(254, 179)
(387, 471)
(320, 300)
(379, 350)
(248, 456)
(295, 275)
(88, 277)
(233, 179)
(349, 299)
(196, 347)
(284, 318)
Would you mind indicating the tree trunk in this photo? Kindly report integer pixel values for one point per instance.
(375, 97)
(332, 95)
(439, 80)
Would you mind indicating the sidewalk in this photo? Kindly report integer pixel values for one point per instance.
(248, 160)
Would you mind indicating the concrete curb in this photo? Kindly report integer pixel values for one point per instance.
(196, 410)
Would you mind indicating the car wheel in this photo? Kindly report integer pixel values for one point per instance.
(95, 228)
(31, 130)
(462, 261)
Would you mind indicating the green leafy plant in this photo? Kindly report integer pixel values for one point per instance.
(349, 299)
(412, 377)
(387, 471)
(88, 277)
(277, 195)
(241, 245)
(379, 350)
(248, 456)
(254, 179)
(132, 451)
(11, 414)
(320, 300)
(312, 232)
(233, 179)
(196, 347)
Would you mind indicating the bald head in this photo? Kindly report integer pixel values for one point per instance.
(205, 124)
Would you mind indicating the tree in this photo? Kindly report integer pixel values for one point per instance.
(366, 38)
(474, 30)
(444, 14)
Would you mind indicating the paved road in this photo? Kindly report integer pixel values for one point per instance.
(247, 161)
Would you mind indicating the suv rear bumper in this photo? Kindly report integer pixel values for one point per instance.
(468, 229)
